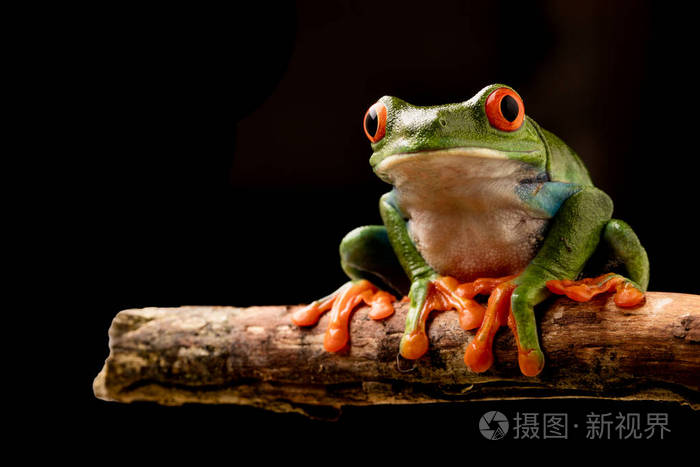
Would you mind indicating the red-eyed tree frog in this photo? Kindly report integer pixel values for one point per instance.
(484, 201)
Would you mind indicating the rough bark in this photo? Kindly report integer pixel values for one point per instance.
(256, 356)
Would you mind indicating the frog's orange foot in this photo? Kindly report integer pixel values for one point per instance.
(473, 317)
(342, 303)
(627, 293)
(479, 354)
(446, 293)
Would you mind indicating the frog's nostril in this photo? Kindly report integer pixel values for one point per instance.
(375, 122)
(443, 122)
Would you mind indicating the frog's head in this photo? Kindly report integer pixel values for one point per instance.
(492, 124)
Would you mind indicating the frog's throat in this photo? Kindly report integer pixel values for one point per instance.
(384, 167)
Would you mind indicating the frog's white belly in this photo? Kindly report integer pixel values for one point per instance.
(465, 217)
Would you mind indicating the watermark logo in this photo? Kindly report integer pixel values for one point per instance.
(532, 425)
(493, 425)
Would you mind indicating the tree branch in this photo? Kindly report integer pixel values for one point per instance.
(256, 356)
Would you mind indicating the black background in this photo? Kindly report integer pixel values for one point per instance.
(217, 157)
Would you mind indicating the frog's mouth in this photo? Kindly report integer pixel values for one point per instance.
(466, 161)
(394, 159)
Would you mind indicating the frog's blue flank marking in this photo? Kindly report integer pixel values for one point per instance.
(546, 197)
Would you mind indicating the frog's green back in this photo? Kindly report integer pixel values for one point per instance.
(563, 164)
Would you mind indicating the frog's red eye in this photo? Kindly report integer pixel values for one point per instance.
(505, 109)
(375, 122)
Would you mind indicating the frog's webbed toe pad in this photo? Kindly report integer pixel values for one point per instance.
(627, 293)
(414, 345)
(341, 304)
(531, 362)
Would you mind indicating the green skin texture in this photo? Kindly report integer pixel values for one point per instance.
(581, 223)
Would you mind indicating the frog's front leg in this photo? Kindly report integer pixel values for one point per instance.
(429, 291)
(573, 236)
(367, 258)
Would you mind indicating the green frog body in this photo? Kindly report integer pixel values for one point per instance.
(484, 202)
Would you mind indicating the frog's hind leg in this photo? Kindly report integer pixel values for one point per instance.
(368, 259)
(627, 251)
(365, 253)
(622, 252)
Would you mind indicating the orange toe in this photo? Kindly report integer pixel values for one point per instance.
(628, 295)
(479, 356)
(414, 346)
(471, 316)
(307, 316)
(382, 304)
(335, 339)
(531, 362)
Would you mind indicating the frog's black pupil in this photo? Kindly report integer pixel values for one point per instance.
(509, 108)
(371, 122)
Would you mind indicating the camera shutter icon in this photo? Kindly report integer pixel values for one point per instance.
(493, 425)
